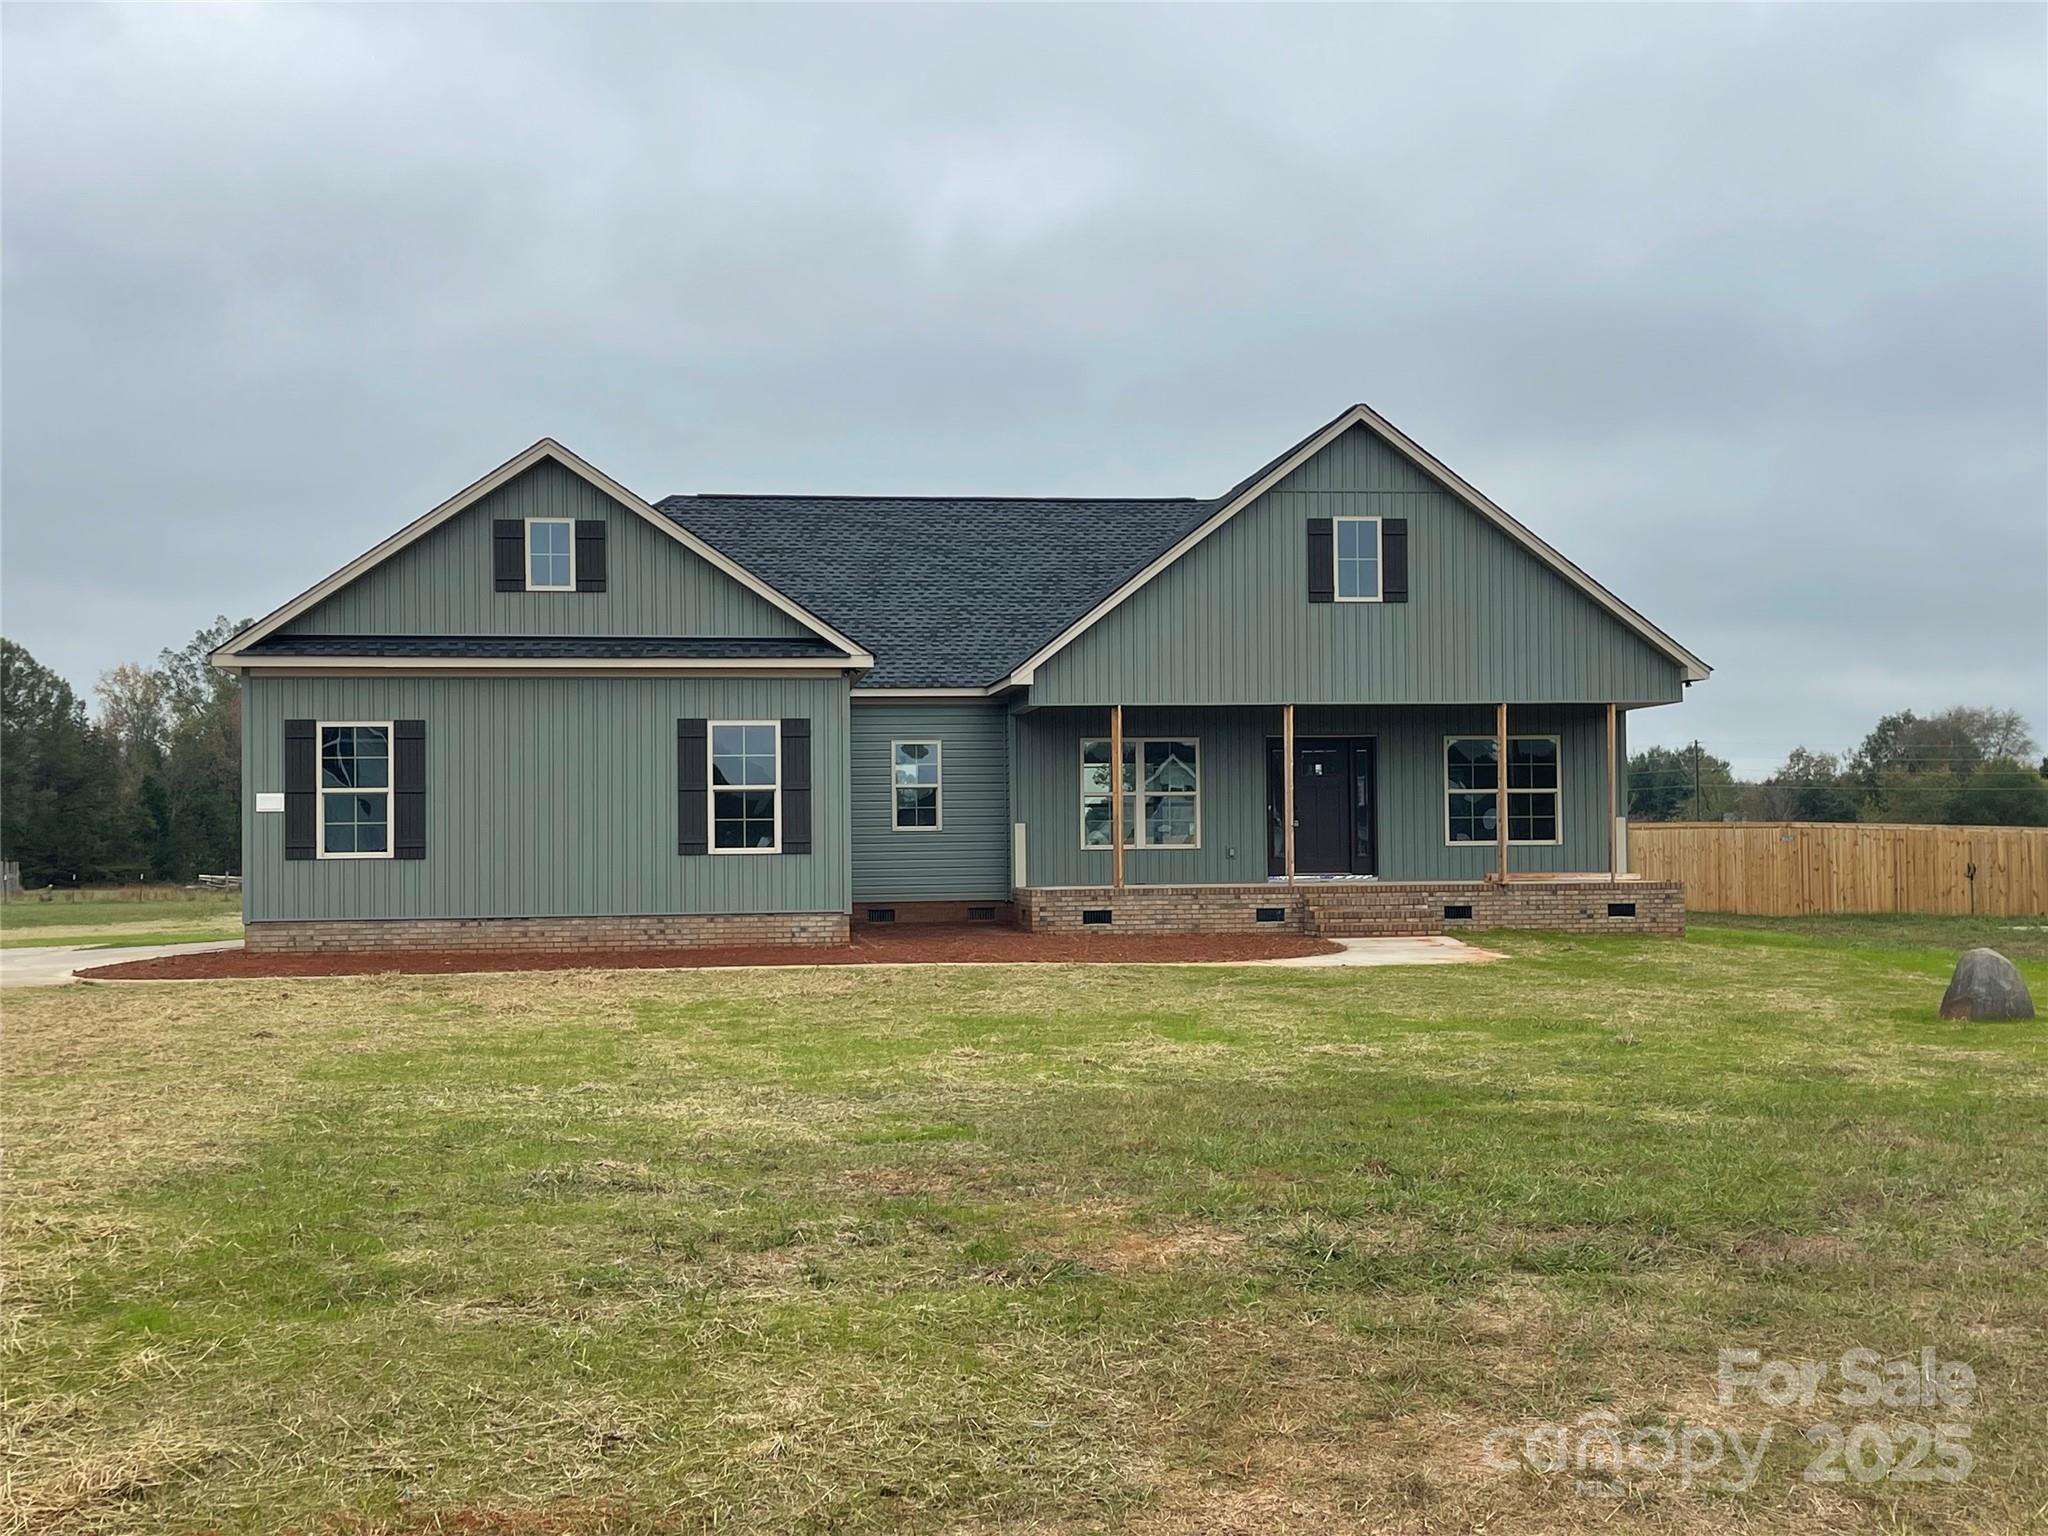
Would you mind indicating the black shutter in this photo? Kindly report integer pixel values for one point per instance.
(590, 554)
(693, 788)
(409, 789)
(1394, 559)
(1322, 562)
(508, 554)
(301, 790)
(796, 786)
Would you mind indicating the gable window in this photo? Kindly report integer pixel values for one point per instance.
(355, 791)
(1161, 783)
(1357, 547)
(550, 554)
(1471, 780)
(746, 793)
(914, 785)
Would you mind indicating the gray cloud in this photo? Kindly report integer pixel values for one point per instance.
(1745, 308)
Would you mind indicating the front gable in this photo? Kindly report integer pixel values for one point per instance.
(1491, 613)
(443, 583)
(444, 576)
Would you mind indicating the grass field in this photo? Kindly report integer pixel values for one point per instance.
(122, 917)
(1047, 1249)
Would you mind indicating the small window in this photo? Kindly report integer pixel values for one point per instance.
(1357, 545)
(1168, 814)
(1471, 779)
(355, 791)
(914, 785)
(746, 797)
(550, 554)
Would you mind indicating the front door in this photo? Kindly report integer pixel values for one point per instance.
(1333, 808)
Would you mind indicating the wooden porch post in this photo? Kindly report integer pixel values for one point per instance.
(1116, 797)
(1500, 788)
(1287, 786)
(1613, 811)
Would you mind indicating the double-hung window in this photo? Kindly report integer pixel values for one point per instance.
(355, 791)
(746, 789)
(1357, 546)
(1161, 784)
(550, 554)
(1472, 784)
(914, 785)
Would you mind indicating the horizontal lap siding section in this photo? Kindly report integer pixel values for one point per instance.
(968, 858)
(546, 797)
(1230, 622)
(1409, 770)
(441, 584)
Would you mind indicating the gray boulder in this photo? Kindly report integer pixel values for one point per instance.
(1986, 986)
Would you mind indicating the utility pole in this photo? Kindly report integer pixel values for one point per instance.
(1698, 810)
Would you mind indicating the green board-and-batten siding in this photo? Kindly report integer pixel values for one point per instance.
(442, 583)
(1229, 622)
(1409, 775)
(968, 858)
(546, 797)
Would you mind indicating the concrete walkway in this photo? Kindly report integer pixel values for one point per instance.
(1427, 950)
(55, 964)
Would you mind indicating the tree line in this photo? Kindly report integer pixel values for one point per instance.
(1960, 767)
(148, 788)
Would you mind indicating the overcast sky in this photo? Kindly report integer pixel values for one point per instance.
(1744, 309)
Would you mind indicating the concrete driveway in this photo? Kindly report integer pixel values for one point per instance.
(56, 964)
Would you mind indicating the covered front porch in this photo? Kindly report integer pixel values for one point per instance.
(1333, 818)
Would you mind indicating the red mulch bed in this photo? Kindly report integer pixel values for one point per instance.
(912, 944)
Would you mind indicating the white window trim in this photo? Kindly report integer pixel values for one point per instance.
(1448, 789)
(531, 586)
(1138, 792)
(938, 782)
(713, 788)
(1379, 561)
(321, 791)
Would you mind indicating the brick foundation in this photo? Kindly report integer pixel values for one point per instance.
(999, 912)
(679, 931)
(1363, 908)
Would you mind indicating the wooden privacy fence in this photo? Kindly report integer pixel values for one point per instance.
(1800, 868)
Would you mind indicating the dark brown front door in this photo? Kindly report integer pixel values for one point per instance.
(1333, 808)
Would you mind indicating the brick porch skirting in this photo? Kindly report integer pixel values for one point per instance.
(693, 931)
(1361, 908)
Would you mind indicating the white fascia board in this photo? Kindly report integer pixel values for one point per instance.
(504, 474)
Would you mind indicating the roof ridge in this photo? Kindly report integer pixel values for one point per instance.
(1150, 501)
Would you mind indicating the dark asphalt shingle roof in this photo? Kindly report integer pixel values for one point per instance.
(946, 591)
(545, 647)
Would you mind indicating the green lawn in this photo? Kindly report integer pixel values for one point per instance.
(120, 918)
(1045, 1249)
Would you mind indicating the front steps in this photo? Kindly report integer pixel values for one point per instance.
(1364, 910)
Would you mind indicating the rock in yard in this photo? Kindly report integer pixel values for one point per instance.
(1986, 986)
